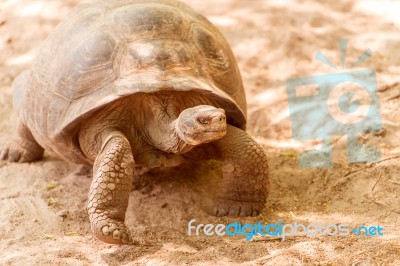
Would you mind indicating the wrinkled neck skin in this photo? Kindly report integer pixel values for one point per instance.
(162, 125)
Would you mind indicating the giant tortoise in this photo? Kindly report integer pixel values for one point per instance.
(125, 83)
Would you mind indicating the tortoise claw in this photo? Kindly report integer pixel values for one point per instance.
(237, 208)
(14, 152)
(112, 232)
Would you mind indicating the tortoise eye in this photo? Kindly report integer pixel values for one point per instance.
(203, 120)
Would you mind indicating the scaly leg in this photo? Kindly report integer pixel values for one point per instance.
(110, 189)
(245, 173)
(23, 148)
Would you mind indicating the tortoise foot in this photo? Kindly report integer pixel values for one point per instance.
(17, 152)
(111, 231)
(236, 208)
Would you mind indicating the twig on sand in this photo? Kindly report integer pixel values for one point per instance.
(372, 192)
(371, 165)
(380, 203)
(393, 182)
(358, 170)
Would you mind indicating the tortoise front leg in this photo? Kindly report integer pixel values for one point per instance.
(110, 189)
(245, 173)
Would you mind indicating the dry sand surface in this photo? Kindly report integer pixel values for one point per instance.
(43, 220)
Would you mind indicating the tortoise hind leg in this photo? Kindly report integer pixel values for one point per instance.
(110, 189)
(23, 148)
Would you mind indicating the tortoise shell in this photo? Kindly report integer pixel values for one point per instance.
(106, 50)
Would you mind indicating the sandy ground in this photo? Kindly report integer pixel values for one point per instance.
(43, 220)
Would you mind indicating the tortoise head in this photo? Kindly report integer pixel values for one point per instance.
(201, 124)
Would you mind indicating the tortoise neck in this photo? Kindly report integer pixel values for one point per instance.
(161, 126)
(166, 138)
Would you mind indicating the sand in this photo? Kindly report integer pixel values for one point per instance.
(43, 220)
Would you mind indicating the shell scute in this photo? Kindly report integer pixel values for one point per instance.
(89, 66)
